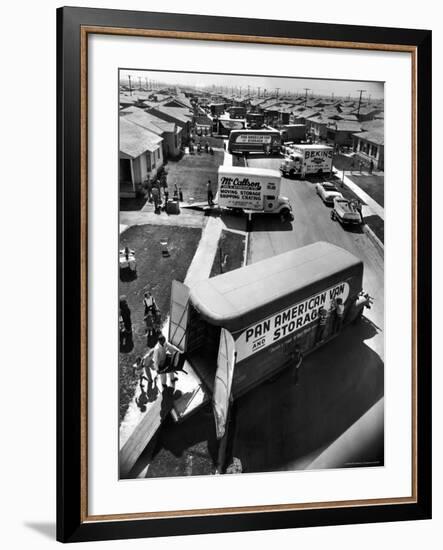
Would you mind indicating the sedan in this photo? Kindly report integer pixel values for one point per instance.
(327, 192)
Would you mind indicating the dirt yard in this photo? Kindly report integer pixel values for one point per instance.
(154, 273)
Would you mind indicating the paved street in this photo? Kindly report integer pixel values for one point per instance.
(282, 426)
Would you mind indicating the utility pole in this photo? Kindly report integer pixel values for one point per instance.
(258, 91)
(146, 83)
(306, 94)
(359, 101)
(249, 87)
(278, 89)
(130, 87)
(139, 82)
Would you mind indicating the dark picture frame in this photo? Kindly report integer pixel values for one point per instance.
(73, 26)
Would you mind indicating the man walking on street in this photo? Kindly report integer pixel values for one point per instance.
(340, 311)
(297, 359)
(210, 194)
(156, 198)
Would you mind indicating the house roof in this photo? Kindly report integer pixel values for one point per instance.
(347, 126)
(177, 113)
(135, 140)
(126, 99)
(149, 121)
(375, 136)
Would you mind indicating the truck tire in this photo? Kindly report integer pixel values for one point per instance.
(333, 216)
(285, 214)
(292, 173)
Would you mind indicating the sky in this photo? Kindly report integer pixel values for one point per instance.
(342, 88)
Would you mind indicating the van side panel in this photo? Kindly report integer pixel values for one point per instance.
(256, 366)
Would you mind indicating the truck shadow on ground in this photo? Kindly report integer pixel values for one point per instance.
(187, 448)
(270, 222)
(280, 426)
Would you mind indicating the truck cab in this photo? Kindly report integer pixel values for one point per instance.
(292, 164)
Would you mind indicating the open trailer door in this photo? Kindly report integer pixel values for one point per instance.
(179, 315)
(191, 392)
(223, 381)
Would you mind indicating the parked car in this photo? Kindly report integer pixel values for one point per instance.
(327, 192)
(346, 212)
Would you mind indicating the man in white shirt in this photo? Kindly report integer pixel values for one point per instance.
(162, 358)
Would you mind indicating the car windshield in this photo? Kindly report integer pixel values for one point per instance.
(329, 187)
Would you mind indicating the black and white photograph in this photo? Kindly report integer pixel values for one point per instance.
(251, 274)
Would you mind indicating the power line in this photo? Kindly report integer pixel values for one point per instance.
(359, 101)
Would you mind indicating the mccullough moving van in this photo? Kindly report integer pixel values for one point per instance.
(243, 326)
(254, 190)
(307, 159)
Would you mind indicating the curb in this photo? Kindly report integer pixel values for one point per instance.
(373, 237)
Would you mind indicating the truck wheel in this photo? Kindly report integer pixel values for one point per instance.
(333, 216)
(284, 213)
(292, 173)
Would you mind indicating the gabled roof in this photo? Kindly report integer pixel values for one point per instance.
(177, 113)
(347, 126)
(375, 136)
(148, 121)
(135, 140)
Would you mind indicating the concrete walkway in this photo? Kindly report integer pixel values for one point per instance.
(186, 218)
(370, 207)
(201, 264)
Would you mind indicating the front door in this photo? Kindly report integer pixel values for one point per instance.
(223, 381)
(269, 202)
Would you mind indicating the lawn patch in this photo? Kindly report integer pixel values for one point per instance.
(377, 225)
(154, 273)
(230, 253)
(372, 185)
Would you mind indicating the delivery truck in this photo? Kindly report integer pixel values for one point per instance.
(253, 190)
(265, 141)
(307, 159)
(238, 329)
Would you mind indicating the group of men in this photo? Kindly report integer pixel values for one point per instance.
(336, 312)
(154, 192)
(161, 355)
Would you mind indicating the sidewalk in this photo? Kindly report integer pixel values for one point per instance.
(373, 213)
(186, 218)
(201, 264)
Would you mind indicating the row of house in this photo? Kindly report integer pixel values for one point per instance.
(153, 127)
(342, 122)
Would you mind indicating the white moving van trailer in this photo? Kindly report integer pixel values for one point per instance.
(253, 190)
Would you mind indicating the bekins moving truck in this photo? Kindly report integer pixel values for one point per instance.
(248, 321)
(307, 159)
(252, 190)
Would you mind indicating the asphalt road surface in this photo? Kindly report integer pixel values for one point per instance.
(282, 426)
(326, 417)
